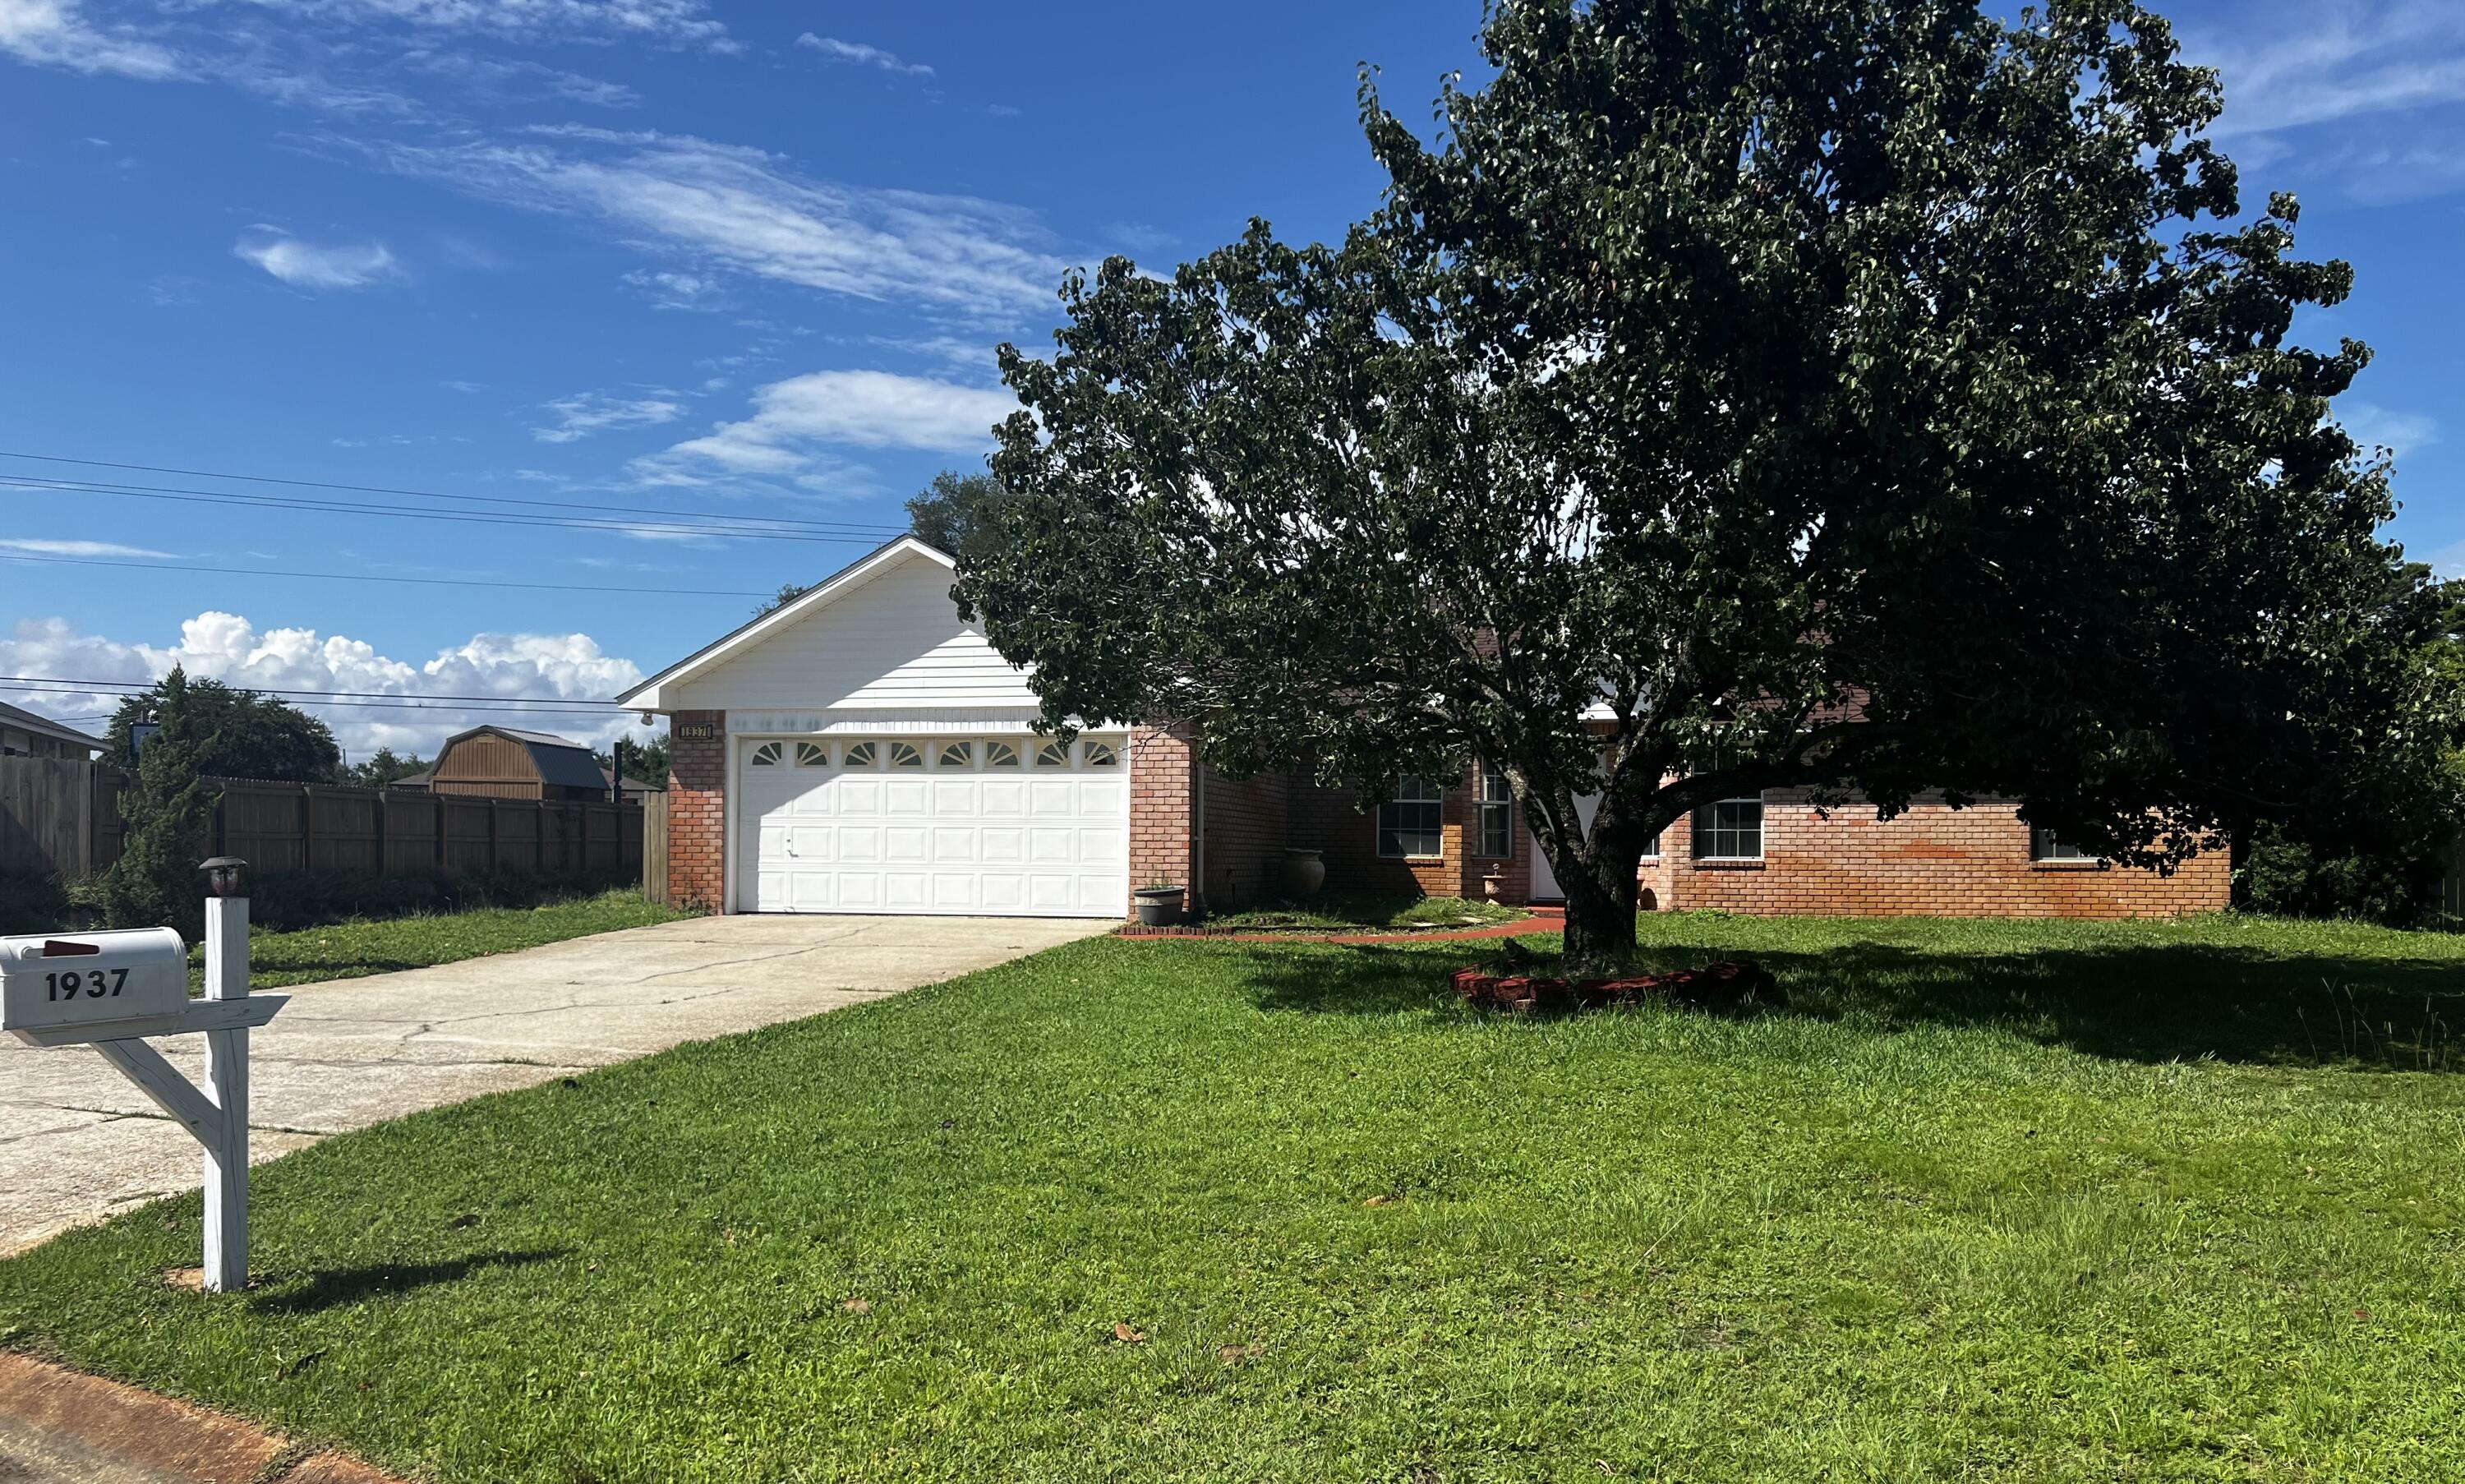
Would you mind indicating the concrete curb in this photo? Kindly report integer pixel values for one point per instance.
(56, 1424)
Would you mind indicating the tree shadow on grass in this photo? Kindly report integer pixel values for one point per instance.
(2152, 1003)
(332, 1287)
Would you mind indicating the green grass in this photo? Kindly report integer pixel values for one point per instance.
(1336, 911)
(353, 950)
(1988, 1200)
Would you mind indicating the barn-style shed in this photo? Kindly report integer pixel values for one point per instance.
(500, 763)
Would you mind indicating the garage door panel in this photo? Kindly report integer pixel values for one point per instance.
(958, 836)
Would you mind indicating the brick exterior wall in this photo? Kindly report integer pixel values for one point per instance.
(1244, 827)
(697, 815)
(1164, 826)
(1932, 861)
(1331, 820)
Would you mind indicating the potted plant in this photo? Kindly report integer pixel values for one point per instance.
(1158, 905)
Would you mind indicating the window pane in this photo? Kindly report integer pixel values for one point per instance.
(958, 754)
(2044, 846)
(1052, 755)
(1000, 755)
(863, 755)
(1411, 824)
(1097, 755)
(811, 755)
(1652, 848)
(768, 755)
(905, 755)
(1730, 829)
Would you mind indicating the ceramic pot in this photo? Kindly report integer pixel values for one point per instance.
(1305, 873)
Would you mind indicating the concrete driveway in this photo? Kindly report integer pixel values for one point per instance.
(78, 1142)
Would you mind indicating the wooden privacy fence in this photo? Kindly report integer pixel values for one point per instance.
(64, 816)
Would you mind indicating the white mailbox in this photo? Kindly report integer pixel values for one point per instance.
(67, 985)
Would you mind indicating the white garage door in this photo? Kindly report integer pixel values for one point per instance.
(958, 826)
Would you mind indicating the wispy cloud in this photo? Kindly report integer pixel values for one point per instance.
(580, 416)
(2373, 426)
(862, 55)
(309, 265)
(679, 289)
(671, 21)
(56, 33)
(798, 422)
(79, 548)
(725, 206)
(2326, 61)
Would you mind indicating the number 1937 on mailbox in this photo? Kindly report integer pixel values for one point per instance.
(76, 979)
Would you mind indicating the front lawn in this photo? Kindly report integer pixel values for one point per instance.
(1338, 912)
(1988, 1200)
(351, 950)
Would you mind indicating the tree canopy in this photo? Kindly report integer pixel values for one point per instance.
(1858, 395)
(239, 733)
(952, 513)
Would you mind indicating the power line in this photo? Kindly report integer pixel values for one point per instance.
(369, 577)
(542, 711)
(464, 516)
(853, 527)
(140, 687)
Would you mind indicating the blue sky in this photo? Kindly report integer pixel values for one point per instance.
(752, 259)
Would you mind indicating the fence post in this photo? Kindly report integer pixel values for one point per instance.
(381, 830)
(492, 835)
(307, 827)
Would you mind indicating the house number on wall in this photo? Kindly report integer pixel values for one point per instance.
(695, 731)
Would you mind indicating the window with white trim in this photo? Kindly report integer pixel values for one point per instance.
(1497, 815)
(2046, 845)
(1652, 847)
(864, 754)
(1000, 754)
(770, 754)
(1052, 755)
(958, 754)
(905, 755)
(1096, 754)
(813, 755)
(1411, 825)
(1730, 829)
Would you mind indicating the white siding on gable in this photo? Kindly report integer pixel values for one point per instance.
(892, 642)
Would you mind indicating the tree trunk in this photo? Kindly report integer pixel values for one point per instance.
(1599, 906)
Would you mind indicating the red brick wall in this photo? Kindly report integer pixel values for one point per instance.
(1244, 824)
(697, 815)
(1331, 820)
(1932, 861)
(1163, 826)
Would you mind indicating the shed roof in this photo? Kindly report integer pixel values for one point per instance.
(561, 761)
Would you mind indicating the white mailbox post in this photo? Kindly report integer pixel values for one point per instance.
(108, 990)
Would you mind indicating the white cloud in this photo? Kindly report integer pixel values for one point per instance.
(56, 33)
(2325, 61)
(580, 416)
(736, 207)
(862, 56)
(679, 289)
(79, 548)
(227, 646)
(2373, 426)
(307, 265)
(683, 21)
(796, 420)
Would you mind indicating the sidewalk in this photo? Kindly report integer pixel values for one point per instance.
(61, 1427)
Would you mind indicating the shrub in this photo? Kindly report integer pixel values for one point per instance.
(34, 904)
(169, 816)
(2285, 878)
(281, 900)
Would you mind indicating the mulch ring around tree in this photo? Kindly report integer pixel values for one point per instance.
(1725, 985)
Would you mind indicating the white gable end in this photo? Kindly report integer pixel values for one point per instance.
(892, 643)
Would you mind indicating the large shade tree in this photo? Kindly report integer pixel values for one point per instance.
(1862, 397)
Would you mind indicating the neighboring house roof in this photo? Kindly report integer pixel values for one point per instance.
(561, 761)
(651, 694)
(43, 726)
(418, 780)
(632, 786)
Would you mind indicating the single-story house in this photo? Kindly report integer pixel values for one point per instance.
(26, 734)
(861, 749)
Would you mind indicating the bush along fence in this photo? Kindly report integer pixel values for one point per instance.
(62, 818)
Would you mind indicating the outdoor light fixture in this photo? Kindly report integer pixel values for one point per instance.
(223, 875)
